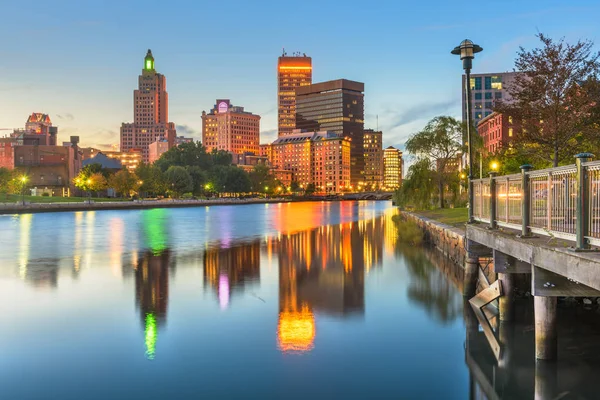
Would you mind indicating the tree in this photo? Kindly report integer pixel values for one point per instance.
(221, 157)
(261, 178)
(550, 98)
(419, 186)
(229, 179)
(178, 180)
(97, 182)
(6, 176)
(151, 178)
(124, 182)
(310, 189)
(198, 177)
(294, 186)
(184, 155)
(439, 142)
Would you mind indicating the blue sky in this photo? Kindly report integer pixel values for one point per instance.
(79, 60)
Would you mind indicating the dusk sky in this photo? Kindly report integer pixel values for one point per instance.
(79, 60)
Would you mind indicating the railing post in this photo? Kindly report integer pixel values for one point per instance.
(582, 210)
(493, 202)
(525, 201)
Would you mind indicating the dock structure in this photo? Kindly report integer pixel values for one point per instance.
(545, 223)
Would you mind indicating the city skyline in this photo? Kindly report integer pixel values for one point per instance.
(406, 84)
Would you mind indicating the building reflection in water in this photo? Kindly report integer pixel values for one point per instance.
(323, 271)
(230, 269)
(152, 271)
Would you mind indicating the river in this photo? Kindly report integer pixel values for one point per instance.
(271, 301)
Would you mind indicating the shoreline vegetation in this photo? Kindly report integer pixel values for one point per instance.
(83, 204)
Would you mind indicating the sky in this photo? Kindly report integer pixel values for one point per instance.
(78, 61)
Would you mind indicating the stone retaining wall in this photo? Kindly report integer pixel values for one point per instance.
(448, 239)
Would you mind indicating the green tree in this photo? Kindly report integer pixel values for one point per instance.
(550, 99)
(97, 183)
(185, 155)
(178, 181)
(124, 182)
(152, 179)
(294, 186)
(419, 186)
(310, 189)
(199, 177)
(440, 143)
(261, 178)
(229, 179)
(221, 157)
(6, 176)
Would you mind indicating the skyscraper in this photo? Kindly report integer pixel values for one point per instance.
(230, 128)
(292, 72)
(373, 146)
(335, 106)
(392, 168)
(151, 112)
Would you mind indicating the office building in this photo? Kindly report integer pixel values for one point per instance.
(486, 90)
(335, 106)
(497, 131)
(157, 149)
(373, 148)
(230, 128)
(292, 72)
(392, 168)
(151, 112)
(318, 158)
(130, 159)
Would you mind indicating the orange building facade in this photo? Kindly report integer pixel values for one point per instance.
(230, 128)
(318, 158)
(292, 72)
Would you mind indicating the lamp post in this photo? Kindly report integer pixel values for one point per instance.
(23, 181)
(466, 50)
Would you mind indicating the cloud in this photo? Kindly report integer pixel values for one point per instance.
(186, 130)
(65, 117)
(420, 111)
(268, 136)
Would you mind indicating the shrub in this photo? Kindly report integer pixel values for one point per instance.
(45, 194)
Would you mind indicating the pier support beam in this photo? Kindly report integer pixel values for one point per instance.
(471, 275)
(545, 328)
(507, 301)
(546, 378)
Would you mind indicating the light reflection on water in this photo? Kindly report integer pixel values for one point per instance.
(288, 300)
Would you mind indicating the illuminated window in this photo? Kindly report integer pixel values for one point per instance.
(510, 132)
(496, 82)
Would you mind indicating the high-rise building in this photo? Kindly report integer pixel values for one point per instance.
(392, 168)
(151, 112)
(230, 128)
(373, 147)
(486, 90)
(318, 158)
(336, 106)
(292, 72)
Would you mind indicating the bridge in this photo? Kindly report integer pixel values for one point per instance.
(545, 224)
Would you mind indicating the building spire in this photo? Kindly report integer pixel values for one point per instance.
(149, 61)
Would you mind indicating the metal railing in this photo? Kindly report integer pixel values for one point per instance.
(561, 202)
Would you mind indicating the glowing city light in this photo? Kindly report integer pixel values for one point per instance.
(296, 331)
(151, 336)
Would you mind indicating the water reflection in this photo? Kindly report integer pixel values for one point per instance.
(152, 294)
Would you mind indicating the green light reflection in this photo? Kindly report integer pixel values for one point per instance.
(151, 335)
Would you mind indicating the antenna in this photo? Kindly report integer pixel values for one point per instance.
(377, 116)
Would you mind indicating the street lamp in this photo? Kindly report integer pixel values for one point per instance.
(466, 50)
(494, 166)
(23, 181)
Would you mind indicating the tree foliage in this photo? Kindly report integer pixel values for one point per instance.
(97, 182)
(419, 187)
(124, 182)
(152, 180)
(440, 142)
(185, 155)
(178, 180)
(552, 98)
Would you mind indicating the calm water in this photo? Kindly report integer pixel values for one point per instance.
(303, 300)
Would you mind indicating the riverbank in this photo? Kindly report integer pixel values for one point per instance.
(29, 208)
(18, 208)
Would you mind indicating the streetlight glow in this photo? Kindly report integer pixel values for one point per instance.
(494, 165)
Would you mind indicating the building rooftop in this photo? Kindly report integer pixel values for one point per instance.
(328, 86)
(105, 161)
(304, 136)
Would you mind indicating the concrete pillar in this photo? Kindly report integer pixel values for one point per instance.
(507, 300)
(545, 328)
(545, 380)
(471, 275)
